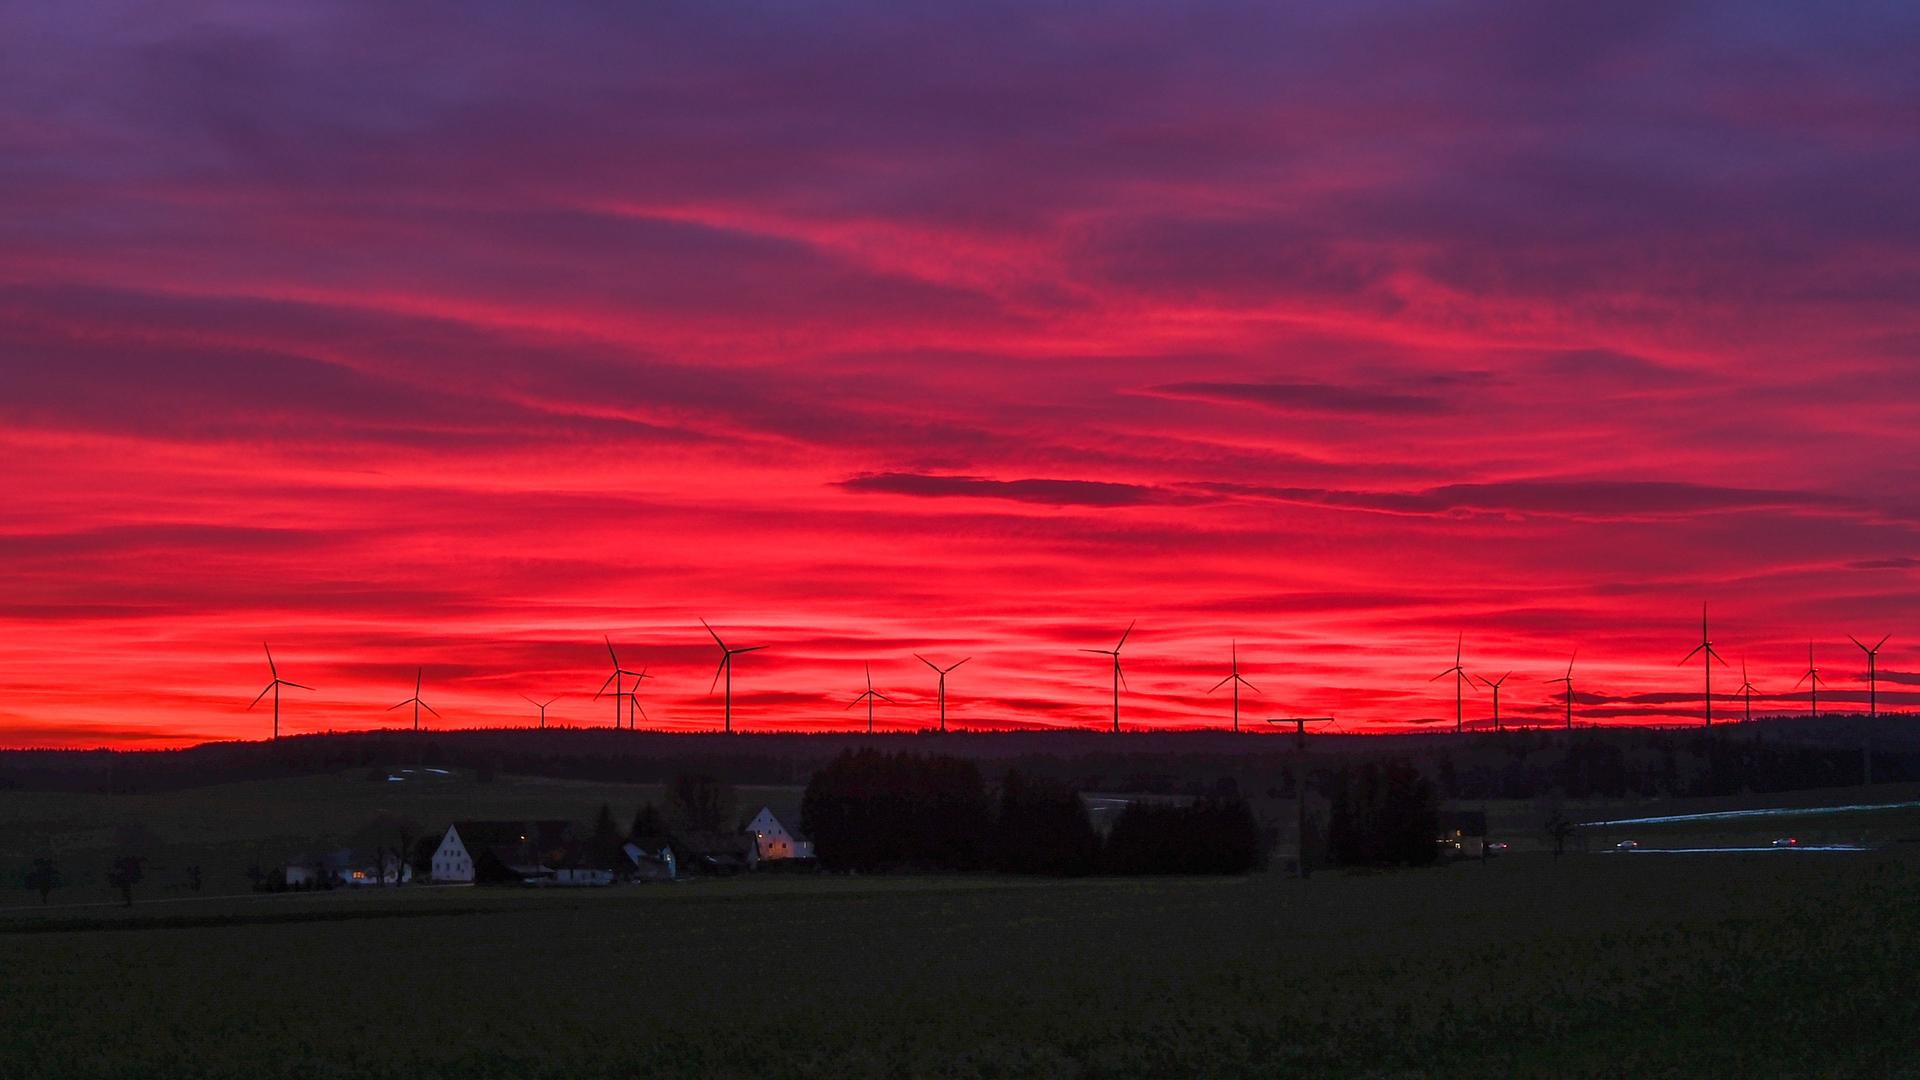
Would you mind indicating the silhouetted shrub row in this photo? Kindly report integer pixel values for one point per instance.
(869, 810)
(1383, 815)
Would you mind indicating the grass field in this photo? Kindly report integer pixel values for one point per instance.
(1594, 966)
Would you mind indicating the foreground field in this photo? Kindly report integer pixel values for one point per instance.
(1595, 966)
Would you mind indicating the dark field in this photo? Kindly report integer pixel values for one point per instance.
(1595, 966)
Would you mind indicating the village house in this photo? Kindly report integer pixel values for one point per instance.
(495, 852)
(348, 867)
(652, 859)
(1463, 834)
(773, 840)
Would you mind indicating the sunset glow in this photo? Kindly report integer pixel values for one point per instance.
(458, 342)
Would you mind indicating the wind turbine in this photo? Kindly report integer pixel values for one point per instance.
(1707, 656)
(619, 674)
(871, 695)
(542, 706)
(1494, 685)
(415, 700)
(274, 686)
(1813, 687)
(1233, 678)
(1746, 691)
(1459, 674)
(1568, 679)
(727, 653)
(1119, 677)
(632, 695)
(1873, 658)
(942, 672)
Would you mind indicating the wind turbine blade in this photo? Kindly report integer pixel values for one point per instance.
(956, 665)
(1442, 675)
(716, 637)
(749, 648)
(1715, 656)
(1248, 685)
(1856, 641)
(418, 674)
(883, 697)
(403, 704)
(528, 700)
(1221, 683)
(1122, 672)
(1802, 679)
(295, 685)
(926, 661)
(604, 685)
(270, 664)
(1102, 652)
(549, 701)
(1124, 634)
(430, 708)
(1691, 655)
(256, 700)
(717, 672)
(854, 702)
(611, 654)
(1882, 641)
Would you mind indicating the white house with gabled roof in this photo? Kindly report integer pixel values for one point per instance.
(774, 840)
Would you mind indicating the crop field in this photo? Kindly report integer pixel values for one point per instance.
(1589, 966)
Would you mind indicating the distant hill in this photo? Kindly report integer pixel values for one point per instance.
(1773, 754)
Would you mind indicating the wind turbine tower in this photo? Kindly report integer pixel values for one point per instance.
(942, 672)
(1238, 682)
(617, 680)
(1707, 656)
(871, 695)
(1119, 677)
(1300, 779)
(1873, 674)
(542, 706)
(1746, 692)
(1459, 674)
(1494, 685)
(1812, 679)
(274, 686)
(1568, 680)
(415, 700)
(727, 653)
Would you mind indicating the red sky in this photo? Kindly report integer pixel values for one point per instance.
(459, 336)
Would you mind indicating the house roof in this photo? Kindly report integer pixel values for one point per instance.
(768, 810)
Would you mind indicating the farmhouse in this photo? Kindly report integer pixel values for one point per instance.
(487, 852)
(1463, 834)
(651, 859)
(349, 867)
(774, 840)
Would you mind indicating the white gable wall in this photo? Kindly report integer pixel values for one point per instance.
(451, 860)
(774, 841)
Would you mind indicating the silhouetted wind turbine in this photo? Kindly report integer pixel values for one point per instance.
(415, 700)
(632, 695)
(1813, 687)
(727, 653)
(942, 672)
(1707, 656)
(1237, 682)
(871, 695)
(619, 674)
(542, 706)
(1494, 685)
(1459, 674)
(1119, 677)
(1746, 691)
(274, 686)
(1873, 675)
(1568, 679)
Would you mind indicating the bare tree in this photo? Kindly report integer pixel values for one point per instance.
(44, 877)
(126, 873)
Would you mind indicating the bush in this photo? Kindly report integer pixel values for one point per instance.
(1206, 836)
(869, 810)
(1383, 815)
(1043, 828)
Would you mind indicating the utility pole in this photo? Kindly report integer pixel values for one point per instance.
(1300, 779)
